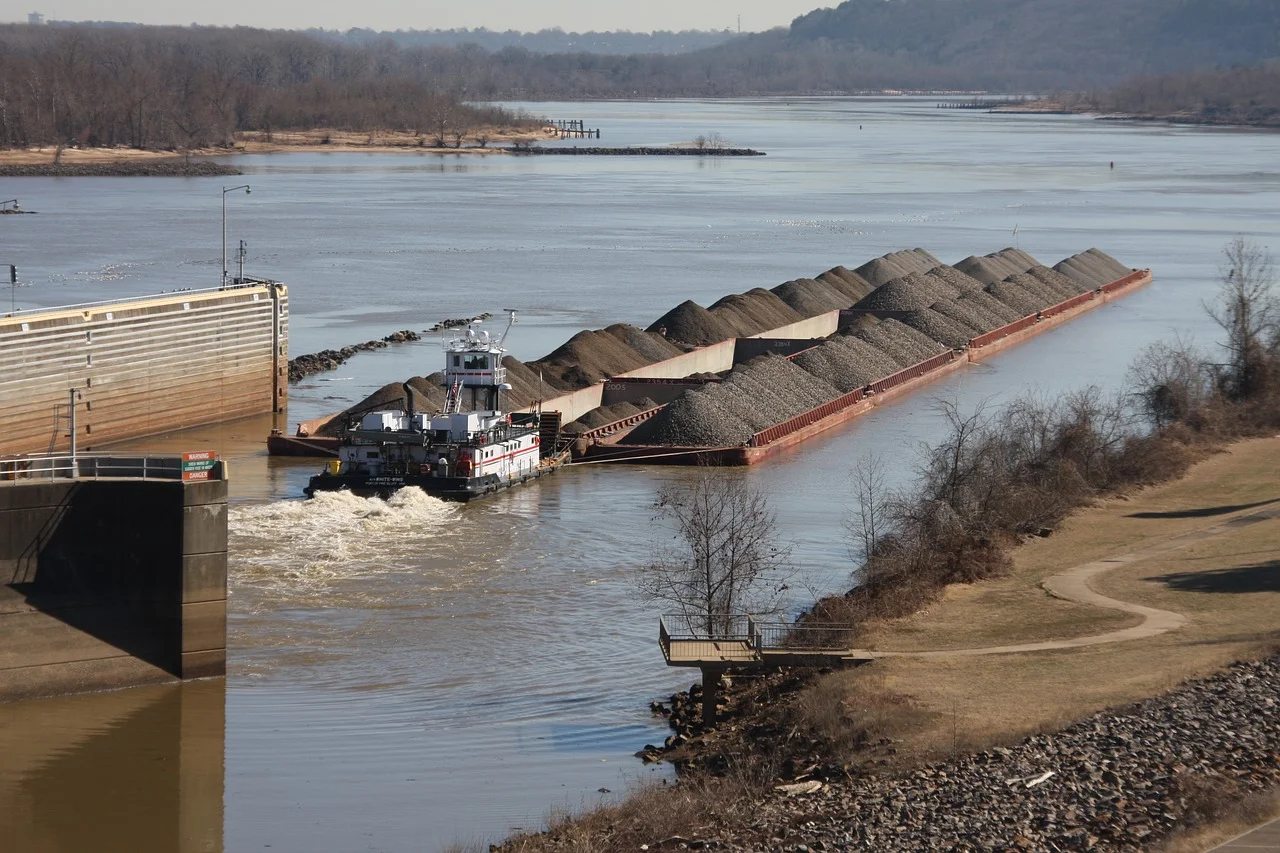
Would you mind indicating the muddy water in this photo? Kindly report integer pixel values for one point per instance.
(404, 674)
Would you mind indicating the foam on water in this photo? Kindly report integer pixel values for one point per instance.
(304, 547)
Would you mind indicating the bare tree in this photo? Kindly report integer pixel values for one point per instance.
(1169, 381)
(726, 558)
(869, 521)
(1248, 309)
(482, 139)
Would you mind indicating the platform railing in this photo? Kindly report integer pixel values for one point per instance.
(758, 636)
(90, 466)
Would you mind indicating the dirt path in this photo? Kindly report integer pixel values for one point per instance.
(1073, 585)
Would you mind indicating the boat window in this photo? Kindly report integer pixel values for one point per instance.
(457, 360)
(372, 454)
(476, 362)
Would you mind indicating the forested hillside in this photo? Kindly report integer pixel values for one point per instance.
(1029, 43)
(174, 87)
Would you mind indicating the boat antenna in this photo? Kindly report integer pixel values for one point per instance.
(511, 321)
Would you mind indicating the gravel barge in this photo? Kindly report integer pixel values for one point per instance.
(760, 371)
(779, 437)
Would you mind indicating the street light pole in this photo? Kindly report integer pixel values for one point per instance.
(226, 190)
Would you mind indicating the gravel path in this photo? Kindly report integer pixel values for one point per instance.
(1073, 585)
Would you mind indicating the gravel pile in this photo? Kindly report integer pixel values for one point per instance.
(754, 396)
(847, 362)
(908, 293)
(968, 314)
(900, 342)
(956, 279)
(1033, 286)
(993, 308)
(1063, 287)
(587, 358)
(1092, 268)
(753, 312)
(608, 414)
(1117, 781)
(848, 282)
(1116, 268)
(523, 380)
(809, 298)
(997, 266)
(1015, 297)
(941, 328)
(692, 324)
(652, 347)
(896, 265)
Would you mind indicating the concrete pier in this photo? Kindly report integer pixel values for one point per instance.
(110, 581)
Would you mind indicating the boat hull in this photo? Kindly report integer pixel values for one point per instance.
(461, 489)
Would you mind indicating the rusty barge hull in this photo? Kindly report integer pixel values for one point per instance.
(787, 435)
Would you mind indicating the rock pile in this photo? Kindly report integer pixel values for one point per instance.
(459, 322)
(318, 362)
(759, 310)
(754, 396)
(896, 265)
(1117, 781)
(1092, 268)
(608, 414)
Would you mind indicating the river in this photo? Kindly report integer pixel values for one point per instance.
(408, 674)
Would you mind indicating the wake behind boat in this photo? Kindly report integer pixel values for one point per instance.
(468, 450)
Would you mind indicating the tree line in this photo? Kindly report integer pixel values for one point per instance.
(1243, 95)
(175, 88)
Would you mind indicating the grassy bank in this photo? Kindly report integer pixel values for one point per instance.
(897, 715)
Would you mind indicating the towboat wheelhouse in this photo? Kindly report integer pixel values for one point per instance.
(469, 449)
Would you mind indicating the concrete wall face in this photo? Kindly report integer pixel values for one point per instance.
(142, 367)
(110, 582)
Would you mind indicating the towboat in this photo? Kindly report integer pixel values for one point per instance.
(469, 449)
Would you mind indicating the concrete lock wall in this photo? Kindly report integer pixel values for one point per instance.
(142, 367)
(107, 583)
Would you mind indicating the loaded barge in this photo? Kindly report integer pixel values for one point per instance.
(468, 450)
(602, 444)
(642, 413)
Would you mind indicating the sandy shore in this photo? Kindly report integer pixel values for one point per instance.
(260, 142)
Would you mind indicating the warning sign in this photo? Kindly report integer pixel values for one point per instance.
(198, 465)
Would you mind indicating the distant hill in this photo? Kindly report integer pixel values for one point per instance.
(1054, 43)
(553, 40)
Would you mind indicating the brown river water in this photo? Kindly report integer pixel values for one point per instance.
(405, 674)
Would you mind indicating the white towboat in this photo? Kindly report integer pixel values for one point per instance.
(470, 449)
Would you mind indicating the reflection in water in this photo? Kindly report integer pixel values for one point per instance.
(131, 770)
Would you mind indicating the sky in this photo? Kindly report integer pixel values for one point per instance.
(573, 15)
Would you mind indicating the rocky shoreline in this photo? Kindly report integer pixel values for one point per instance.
(641, 150)
(120, 169)
(1120, 780)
